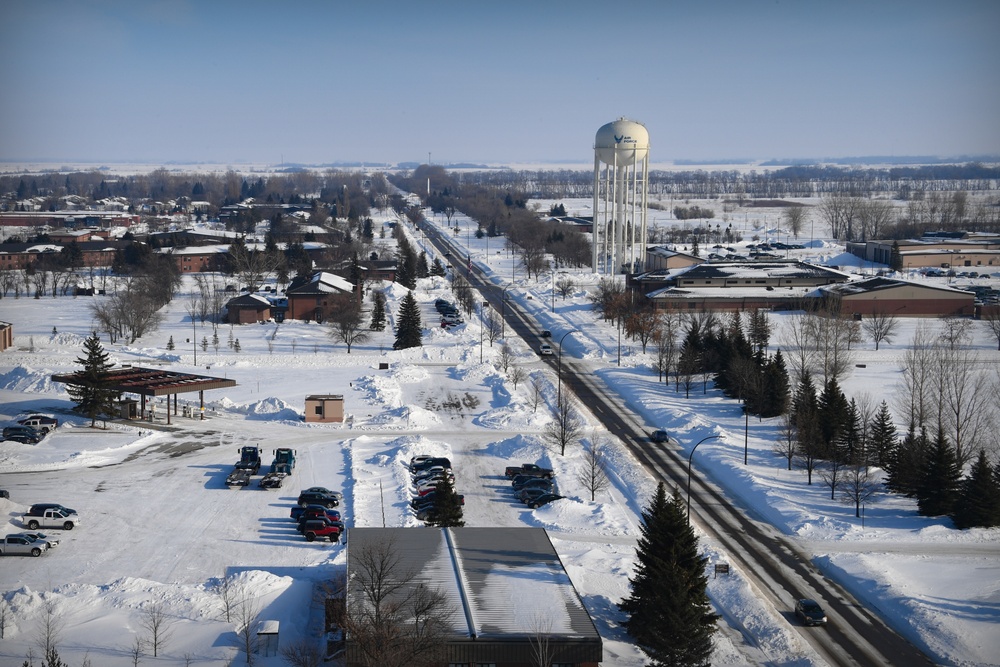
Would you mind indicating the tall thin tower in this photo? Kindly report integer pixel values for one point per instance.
(621, 172)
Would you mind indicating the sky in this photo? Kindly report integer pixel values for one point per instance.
(315, 82)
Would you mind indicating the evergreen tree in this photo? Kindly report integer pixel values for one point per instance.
(978, 502)
(170, 344)
(437, 268)
(895, 257)
(805, 418)
(832, 414)
(447, 507)
(422, 270)
(668, 611)
(378, 311)
(905, 463)
(773, 400)
(882, 437)
(940, 478)
(408, 327)
(89, 389)
(848, 445)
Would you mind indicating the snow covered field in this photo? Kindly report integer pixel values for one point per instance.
(159, 525)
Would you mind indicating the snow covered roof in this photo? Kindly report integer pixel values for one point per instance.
(331, 282)
(878, 284)
(759, 270)
(500, 581)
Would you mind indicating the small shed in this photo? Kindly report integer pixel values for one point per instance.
(325, 408)
(248, 309)
(267, 638)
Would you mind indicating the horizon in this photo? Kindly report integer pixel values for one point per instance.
(452, 83)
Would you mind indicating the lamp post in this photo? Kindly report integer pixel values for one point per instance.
(691, 456)
(559, 367)
(746, 432)
(503, 303)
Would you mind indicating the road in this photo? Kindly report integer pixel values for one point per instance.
(778, 569)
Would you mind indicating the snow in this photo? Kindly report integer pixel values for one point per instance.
(159, 526)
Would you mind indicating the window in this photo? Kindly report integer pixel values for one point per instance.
(319, 410)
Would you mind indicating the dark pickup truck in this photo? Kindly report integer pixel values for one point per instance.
(529, 469)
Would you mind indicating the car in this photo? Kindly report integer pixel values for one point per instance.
(316, 512)
(38, 509)
(314, 529)
(298, 511)
(543, 499)
(546, 333)
(437, 472)
(40, 423)
(534, 483)
(323, 497)
(810, 612)
(452, 318)
(430, 463)
(23, 434)
(659, 435)
(21, 545)
(431, 499)
(545, 350)
(529, 494)
(42, 537)
(4, 493)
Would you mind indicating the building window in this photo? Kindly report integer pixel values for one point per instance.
(319, 410)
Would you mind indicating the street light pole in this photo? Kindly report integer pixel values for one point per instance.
(503, 302)
(691, 456)
(559, 367)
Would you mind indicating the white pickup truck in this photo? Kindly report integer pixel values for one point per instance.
(22, 545)
(51, 518)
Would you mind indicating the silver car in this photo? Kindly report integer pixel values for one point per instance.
(22, 545)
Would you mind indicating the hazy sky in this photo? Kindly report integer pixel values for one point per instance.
(494, 82)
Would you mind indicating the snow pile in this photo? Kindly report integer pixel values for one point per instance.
(29, 380)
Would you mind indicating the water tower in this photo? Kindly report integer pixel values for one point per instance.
(621, 170)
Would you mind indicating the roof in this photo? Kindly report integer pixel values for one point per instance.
(499, 581)
(323, 283)
(757, 269)
(881, 284)
(248, 301)
(152, 381)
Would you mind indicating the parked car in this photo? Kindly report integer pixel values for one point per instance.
(545, 350)
(543, 499)
(51, 518)
(23, 434)
(532, 483)
(21, 545)
(40, 423)
(529, 494)
(315, 512)
(431, 499)
(659, 435)
(430, 463)
(318, 495)
(810, 612)
(528, 470)
(39, 508)
(42, 537)
(314, 529)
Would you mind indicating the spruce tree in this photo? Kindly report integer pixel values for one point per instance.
(940, 478)
(882, 437)
(422, 268)
(89, 389)
(978, 502)
(805, 417)
(833, 415)
(906, 462)
(378, 311)
(669, 614)
(447, 507)
(895, 257)
(408, 327)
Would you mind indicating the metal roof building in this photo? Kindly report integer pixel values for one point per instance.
(507, 589)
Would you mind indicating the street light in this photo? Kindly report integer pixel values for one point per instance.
(691, 456)
(559, 367)
(503, 320)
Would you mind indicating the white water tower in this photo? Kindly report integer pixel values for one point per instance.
(621, 170)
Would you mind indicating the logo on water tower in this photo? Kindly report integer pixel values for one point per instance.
(624, 139)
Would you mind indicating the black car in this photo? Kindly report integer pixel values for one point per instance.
(543, 499)
(23, 434)
(430, 463)
(325, 499)
(318, 521)
(659, 435)
(39, 509)
(534, 483)
(810, 612)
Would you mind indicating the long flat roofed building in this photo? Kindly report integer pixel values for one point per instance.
(507, 590)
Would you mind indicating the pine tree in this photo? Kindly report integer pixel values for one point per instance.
(422, 270)
(437, 268)
(408, 327)
(882, 438)
(378, 311)
(669, 614)
(895, 257)
(170, 344)
(833, 415)
(805, 417)
(447, 507)
(905, 463)
(940, 477)
(978, 502)
(774, 390)
(89, 390)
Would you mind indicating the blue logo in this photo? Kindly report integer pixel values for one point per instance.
(623, 138)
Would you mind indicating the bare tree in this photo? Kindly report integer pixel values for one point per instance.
(956, 331)
(565, 427)
(156, 621)
(517, 374)
(797, 344)
(491, 326)
(915, 397)
(833, 475)
(137, 651)
(858, 486)
(880, 327)
(641, 325)
(841, 215)
(593, 473)
(968, 413)
(251, 265)
(874, 216)
(565, 286)
(303, 653)
(392, 621)
(795, 217)
(5, 617)
(537, 387)
(347, 325)
(506, 357)
(247, 610)
(49, 627)
(231, 591)
(991, 315)
(539, 637)
(786, 445)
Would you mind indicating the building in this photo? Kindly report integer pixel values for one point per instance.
(943, 252)
(660, 258)
(6, 335)
(505, 588)
(316, 299)
(248, 309)
(325, 408)
(900, 298)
